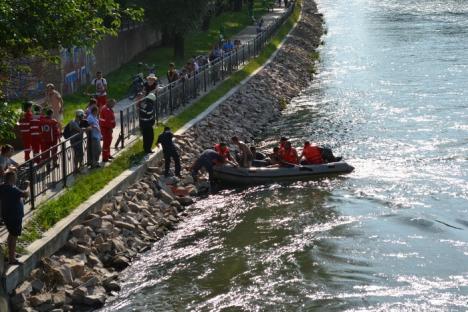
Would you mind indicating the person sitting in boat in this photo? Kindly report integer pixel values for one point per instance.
(257, 155)
(311, 154)
(223, 151)
(259, 159)
(208, 159)
(282, 142)
(245, 156)
(327, 155)
(274, 158)
(288, 156)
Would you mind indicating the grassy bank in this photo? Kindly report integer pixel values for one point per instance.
(85, 186)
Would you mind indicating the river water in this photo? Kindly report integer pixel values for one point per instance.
(390, 96)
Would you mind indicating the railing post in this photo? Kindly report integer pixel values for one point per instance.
(204, 79)
(122, 129)
(32, 184)
(64, 163)
(156, 107)
(170, 97)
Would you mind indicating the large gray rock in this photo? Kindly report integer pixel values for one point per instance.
(40, 299)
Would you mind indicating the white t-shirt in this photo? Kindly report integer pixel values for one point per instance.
(101, 86)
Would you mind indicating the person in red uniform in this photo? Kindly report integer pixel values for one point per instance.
(288, 156)
(50, 135)
(107, 124)
(223, 151)
(35, 130)
(312, 154)
(25, 128)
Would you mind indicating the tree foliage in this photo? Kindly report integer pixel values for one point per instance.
(8, 119)
(175, 17)
(35, 27)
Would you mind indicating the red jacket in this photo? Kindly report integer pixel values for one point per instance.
(50, 131)
(223, 152)
(312, 154)
(289, 156)
(107, 118)
(35, 127)
(25, 123)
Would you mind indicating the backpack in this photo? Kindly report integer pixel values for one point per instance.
(67, 131)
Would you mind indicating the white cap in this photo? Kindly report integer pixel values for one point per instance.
(152, 76)
(79, 112)
(151, 97)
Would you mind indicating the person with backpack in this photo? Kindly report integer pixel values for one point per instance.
(25, 128)
(50, 136)
(74, 131)
(35, 129)
(100, 84)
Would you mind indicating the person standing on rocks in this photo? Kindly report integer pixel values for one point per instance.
(147, 120)
(11, 198)
(208, 159)
(245, 155)
(169, 151)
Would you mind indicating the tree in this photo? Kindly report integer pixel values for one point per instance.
(175, 18)
(37, 28)
(8, 119)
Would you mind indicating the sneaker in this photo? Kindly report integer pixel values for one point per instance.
(110, 157)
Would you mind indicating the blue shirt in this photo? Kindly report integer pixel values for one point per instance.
(95, 131)
(12, 203)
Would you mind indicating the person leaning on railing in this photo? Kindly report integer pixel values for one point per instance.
(95, 138)
(77, 127)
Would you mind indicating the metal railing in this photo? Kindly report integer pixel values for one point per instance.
(54, 167)
(177, 94)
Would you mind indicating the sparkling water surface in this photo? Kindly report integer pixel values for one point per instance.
(390, 96)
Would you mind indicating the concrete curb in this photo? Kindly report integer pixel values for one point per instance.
(56, 237)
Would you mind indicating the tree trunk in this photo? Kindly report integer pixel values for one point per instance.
(179, 45)
(166, 37)
(237, 5)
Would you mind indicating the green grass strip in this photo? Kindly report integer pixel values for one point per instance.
(52, 211)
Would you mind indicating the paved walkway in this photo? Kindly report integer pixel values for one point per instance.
(249, 33)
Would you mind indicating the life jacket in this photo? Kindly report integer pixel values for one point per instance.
(50, 131)
(312, 154)
(223, 152)
(289, 156)
(25, 124)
